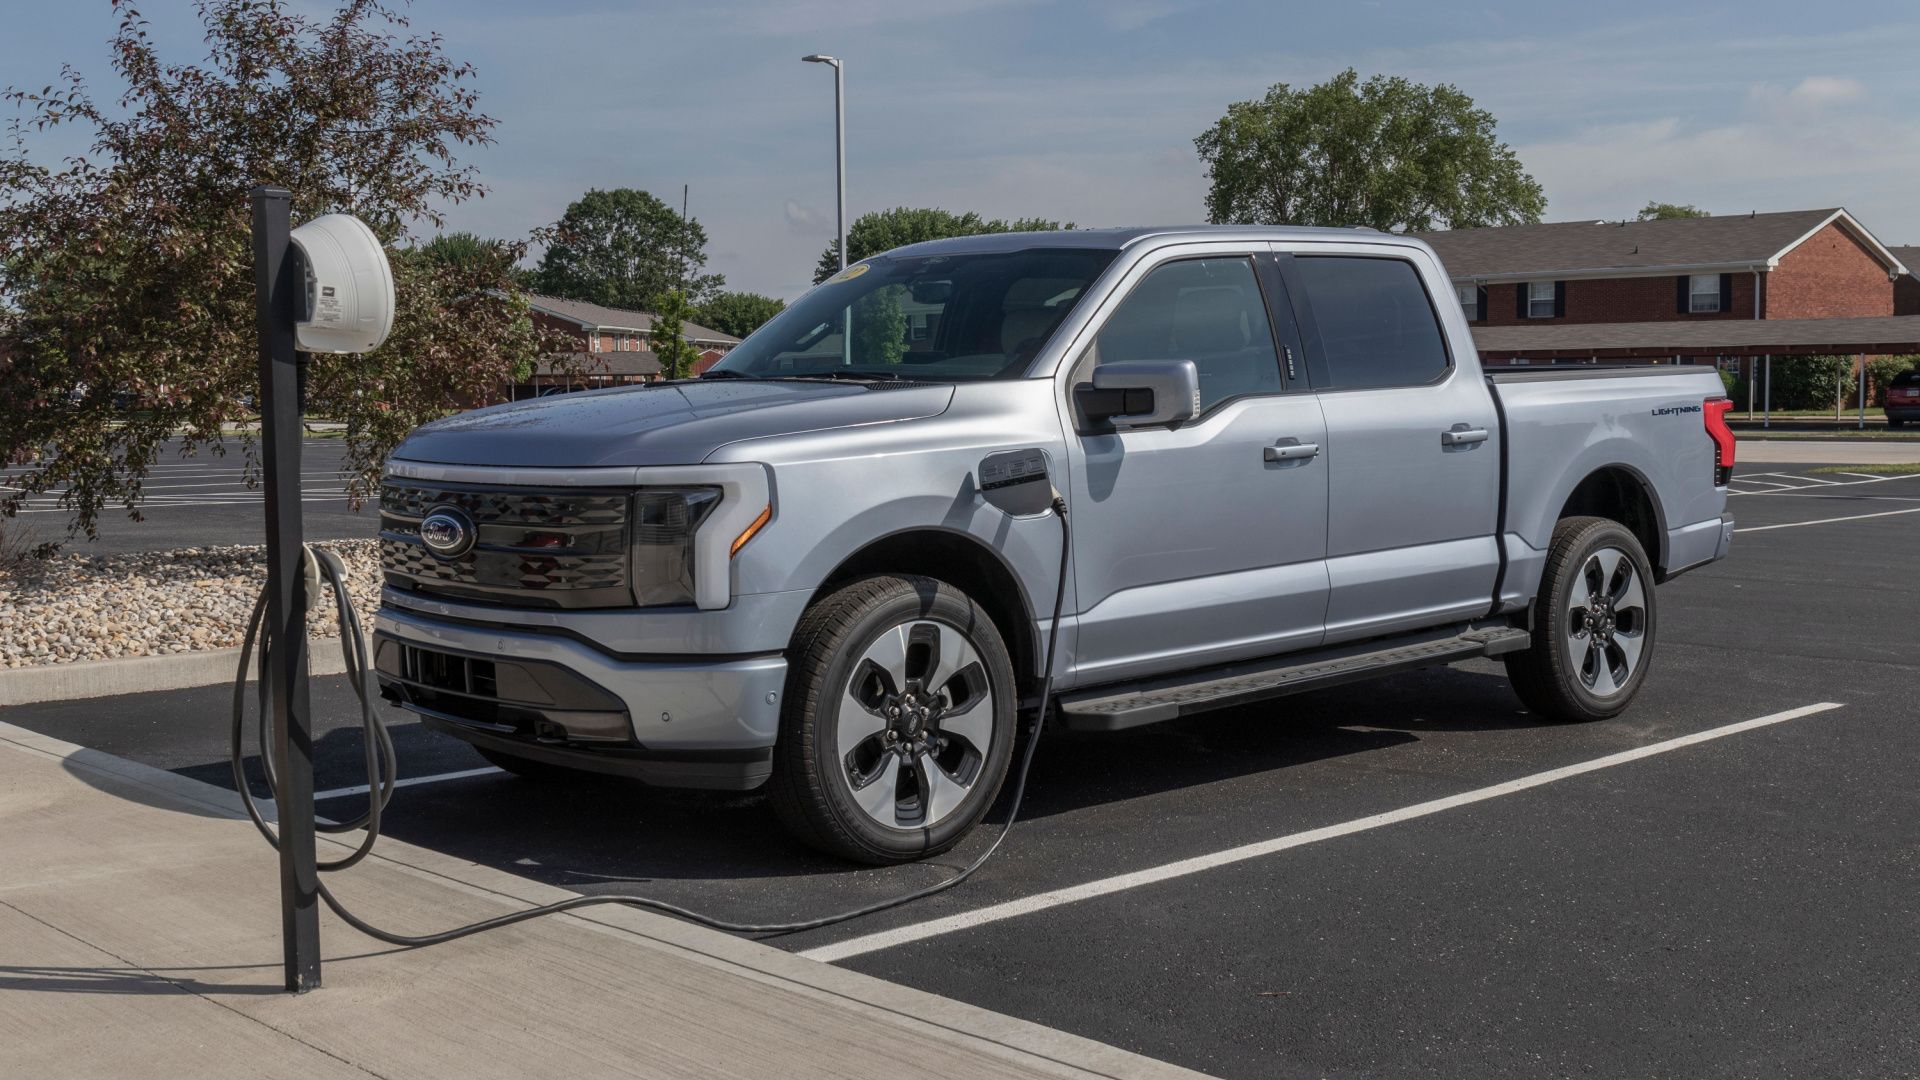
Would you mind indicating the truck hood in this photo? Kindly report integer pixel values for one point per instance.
(668, 424)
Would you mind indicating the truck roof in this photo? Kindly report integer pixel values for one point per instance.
(1123, 237)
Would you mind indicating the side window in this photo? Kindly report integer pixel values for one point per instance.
(1377, 326)
(1208, 311)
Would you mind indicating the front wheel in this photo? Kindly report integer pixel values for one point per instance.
(898, 722)
(1594, 628)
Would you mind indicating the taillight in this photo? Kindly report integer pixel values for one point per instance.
(1715, 410)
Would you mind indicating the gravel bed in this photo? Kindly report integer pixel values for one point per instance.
(92, 607)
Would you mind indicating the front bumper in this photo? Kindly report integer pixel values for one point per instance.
(679, 721)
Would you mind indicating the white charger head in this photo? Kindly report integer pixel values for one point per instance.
(348, 303)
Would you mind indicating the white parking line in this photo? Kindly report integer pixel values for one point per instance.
(361, 789)
(1827, 521)
(1106, 886)
(1850, 483)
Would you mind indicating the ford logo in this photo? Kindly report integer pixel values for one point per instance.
(447, 531)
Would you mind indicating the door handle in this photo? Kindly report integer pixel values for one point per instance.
(1463, 436)
(1291, 452)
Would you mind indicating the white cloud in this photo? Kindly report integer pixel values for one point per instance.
(800, 218)
(1827, 90)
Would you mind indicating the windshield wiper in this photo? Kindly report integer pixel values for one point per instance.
(724, 373)
(843, 373)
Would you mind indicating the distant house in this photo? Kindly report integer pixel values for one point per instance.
(1801, 264)
(1906, 291)
(612, 348)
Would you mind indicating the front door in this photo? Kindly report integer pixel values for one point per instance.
(1203, 543)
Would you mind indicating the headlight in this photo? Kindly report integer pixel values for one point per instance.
(664, 523)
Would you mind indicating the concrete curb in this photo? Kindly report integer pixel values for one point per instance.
(139, 674)
(1043, 1050)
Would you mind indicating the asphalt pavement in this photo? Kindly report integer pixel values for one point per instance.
(207, 500)
(1408, 877)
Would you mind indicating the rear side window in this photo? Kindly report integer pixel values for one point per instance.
(1209, 311)
(1377, 326)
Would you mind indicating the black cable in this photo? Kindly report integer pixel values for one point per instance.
(381, 772)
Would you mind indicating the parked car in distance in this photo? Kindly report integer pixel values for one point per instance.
(1283, 465)
(1901, 401)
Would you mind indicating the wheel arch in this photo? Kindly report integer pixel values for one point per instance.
(1624, 494)
(962, 560)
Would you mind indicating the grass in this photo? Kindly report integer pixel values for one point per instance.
(1757, 434)
(1906, 469)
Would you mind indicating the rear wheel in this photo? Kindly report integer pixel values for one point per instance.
(898, 721)
(1593, 632)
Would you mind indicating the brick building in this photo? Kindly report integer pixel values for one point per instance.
(1801, 264)
(1906, 291)
(612, 346)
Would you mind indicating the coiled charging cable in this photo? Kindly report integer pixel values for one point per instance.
(382, 771)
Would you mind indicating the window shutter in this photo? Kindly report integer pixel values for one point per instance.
(1726, 292)
(1559, 299)
(1480, 304)
(1680, 297)
(1520, 299)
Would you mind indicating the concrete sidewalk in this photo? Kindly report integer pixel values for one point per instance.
(139, 936)
(1803, 451)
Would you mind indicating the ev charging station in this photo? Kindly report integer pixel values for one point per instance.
(324, 287)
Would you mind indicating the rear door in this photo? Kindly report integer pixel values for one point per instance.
(1202, 543)
(1413, 442)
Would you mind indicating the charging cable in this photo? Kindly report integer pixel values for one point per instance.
(381, 769)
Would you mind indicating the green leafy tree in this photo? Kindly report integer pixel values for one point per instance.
(738, 313)
(622, 248)
(1807, 382)
(884, 230)
(1881, 371)
(130, 271)
(1388, 153)
(462, 249)
(880, 326)
(1666, 211)
(677, 356)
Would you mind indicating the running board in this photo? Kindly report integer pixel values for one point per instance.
(1131, 705)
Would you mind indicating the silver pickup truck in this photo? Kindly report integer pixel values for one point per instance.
(1281, 461)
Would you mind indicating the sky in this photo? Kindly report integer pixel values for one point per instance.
(1087, 111)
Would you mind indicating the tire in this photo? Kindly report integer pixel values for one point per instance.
(526, 768)
(894, 683)
(1580, 625)
(1895, 424)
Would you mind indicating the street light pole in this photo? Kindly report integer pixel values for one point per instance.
(839, 183)
(839, 143)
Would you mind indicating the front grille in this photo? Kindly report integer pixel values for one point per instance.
(557, 548)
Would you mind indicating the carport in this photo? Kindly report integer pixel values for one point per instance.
(1680, 341)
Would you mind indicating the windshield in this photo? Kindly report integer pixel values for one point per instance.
(938, 317)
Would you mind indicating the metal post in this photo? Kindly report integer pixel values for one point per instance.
(278, 287)
(1862, 361)
(840, 153)
(1750, 384)
(840, 196)
(1767, 422)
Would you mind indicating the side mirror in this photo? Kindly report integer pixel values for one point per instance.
(1140, 393)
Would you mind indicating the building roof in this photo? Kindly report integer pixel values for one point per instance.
(1876, 335)
(1909, 257)
(602, 363)
(1627, 248)
(597, 317)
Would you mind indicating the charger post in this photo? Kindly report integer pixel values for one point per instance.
(280, 288)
